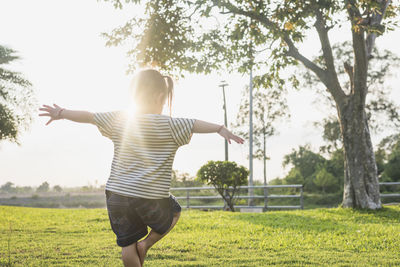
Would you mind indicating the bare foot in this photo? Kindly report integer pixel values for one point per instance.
(142, 250)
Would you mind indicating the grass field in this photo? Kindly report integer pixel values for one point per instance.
(319, 237)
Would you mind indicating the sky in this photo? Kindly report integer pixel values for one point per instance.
(64, 56)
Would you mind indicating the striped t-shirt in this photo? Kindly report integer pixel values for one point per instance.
(144, 150)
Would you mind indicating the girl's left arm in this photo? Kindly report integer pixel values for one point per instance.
(57, 113)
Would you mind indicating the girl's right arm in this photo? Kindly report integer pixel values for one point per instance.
(57, 113)
(207, 127)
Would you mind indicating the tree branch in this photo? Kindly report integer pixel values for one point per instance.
(375, 20)
(360, 52)
(322, 30)
(322, 74)
(324, 39)
(221, 191)
(349, 70)
(294, 52)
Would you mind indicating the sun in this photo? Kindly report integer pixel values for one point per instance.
(131, 109)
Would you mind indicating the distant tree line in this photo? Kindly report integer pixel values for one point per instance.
(184, 179)
(45, 187)
(325, 174)
(319, 172)
(9, 187)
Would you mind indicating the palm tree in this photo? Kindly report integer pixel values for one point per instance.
(16, 98)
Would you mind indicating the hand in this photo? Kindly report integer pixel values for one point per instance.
(225, 133)
(53, 113)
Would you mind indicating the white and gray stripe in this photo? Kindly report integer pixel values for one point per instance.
(144, 151)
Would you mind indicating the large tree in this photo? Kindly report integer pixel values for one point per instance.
(16, 98)
(202, 36)
(381, 111)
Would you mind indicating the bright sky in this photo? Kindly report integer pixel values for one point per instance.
(65, 58)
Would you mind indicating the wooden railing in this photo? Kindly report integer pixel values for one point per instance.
(390, 195)
(266, 196)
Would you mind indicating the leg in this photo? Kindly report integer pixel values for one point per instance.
(130, 256)
(152, 238)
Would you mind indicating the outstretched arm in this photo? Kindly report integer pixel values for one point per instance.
(207, 127)
(57, 113)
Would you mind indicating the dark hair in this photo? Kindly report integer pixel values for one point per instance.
(148, 83)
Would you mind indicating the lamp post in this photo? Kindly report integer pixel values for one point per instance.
(222, 85)
(251, 61)
(251, 193)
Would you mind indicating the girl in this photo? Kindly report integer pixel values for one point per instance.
(145, 143)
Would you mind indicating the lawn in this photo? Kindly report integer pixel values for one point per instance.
(327, 237)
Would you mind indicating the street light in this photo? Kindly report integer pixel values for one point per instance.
(251, 61)
(222, 85)
(251, 192)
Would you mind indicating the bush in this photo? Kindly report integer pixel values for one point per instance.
(325, 181)
(223, 175)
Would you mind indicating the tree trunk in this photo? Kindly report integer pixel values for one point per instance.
(228, 200)
(361, 187)
(231, 206)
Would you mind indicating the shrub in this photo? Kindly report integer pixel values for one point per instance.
(225, 176)
(325, 180)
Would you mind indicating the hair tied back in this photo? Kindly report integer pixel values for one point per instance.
(170, 88)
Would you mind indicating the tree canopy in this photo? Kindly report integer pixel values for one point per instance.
(16, 98)
(382, 111)
(226, 177)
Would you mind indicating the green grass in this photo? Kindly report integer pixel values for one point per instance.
(327, 237)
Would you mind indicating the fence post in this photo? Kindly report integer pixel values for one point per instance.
(301, 197)
(265, 198)
(187, 199)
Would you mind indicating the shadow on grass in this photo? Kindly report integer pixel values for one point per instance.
(319, 221)
(293, 221)
(387, 214)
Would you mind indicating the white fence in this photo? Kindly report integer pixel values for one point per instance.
(389, 183)
(265, 196)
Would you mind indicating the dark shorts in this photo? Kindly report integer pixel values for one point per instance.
(130, 216)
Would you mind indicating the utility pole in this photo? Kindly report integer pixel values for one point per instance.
(223, 84)
(251, 61)
(251, 192)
